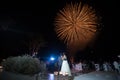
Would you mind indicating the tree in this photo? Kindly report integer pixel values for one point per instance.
(34, 43)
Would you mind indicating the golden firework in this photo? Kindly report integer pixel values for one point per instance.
(76, 25)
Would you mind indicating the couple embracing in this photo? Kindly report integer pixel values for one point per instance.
(63, 65)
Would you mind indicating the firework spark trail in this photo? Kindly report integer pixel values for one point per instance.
(76, 25)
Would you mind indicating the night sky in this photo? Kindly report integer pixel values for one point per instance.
(37, 18)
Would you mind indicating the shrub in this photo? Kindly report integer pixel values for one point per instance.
(22, 64)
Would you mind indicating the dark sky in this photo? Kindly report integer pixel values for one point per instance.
(38, 18)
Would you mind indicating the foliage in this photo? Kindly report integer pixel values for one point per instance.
(22, 64)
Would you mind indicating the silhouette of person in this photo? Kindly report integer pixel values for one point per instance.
(59, 62)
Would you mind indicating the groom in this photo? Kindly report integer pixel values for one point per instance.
(59, 62)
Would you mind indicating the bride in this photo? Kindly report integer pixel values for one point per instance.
(65, 69)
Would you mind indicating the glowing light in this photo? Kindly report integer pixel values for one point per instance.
(52, 58)
(55, 73)
(51, 76)
(76, 25)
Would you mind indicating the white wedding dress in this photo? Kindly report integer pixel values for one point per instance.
(65, 69)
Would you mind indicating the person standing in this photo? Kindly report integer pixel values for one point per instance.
(97, 67)
(116, 66)
(79, 67)
(59, 62)
(65, 68)
(105, 66)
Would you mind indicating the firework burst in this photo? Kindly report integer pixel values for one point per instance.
(76, 25)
